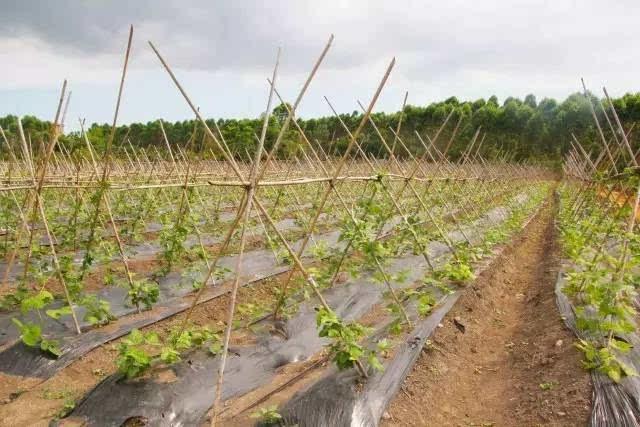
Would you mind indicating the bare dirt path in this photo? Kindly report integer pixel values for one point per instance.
(515, 363)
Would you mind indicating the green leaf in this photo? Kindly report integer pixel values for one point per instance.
(169, 355)
(30, 333)
(215, 347)
(383, 345)
(50, 346)
(37, 301)
(135, 337)
(59, 312)
(614, 374)
(152, 338)
(375, 363)
(628, 371)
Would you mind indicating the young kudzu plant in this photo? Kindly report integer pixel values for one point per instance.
(457, 271)
(97, 311)
(345, 337)
(604, 359)
(250, 312)
(67, 233)
(172, 238)
(424, 298)
(9, 223)
(11, 300)
(39, 264)
(31, 333)
(143, 292)
(287, 301)
(282, 254)
(268, 415)
(604, 305)
(139, 352)
(362, 235)
(194, 271)
(392, 306)
(145, 209)
(404, 236)
(345, 347)
(94, 234)
(323, 270)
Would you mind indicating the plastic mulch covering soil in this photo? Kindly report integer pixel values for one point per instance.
(175, 291)
(186, 400)
(334, 400)
(338, 399)
(144, 250)
(614, 404)
(175, 288)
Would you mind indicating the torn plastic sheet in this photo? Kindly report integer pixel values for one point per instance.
(186, 400)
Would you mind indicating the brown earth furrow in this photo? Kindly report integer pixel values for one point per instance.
(515, 363)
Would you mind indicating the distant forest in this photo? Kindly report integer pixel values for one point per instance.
(529, 129)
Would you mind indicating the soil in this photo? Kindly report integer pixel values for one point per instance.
(515, 353)
(502, 356)
(31, 402)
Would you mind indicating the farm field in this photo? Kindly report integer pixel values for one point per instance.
(322, 285)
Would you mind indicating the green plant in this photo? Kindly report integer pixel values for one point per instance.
(143, 292)
(548, 385)
(344, 347)
(268, 415)
(384, 346)
(139, 352)
(31, 335)
(133, 360)
(172, 238)
(72, 278)
(69, 405)
(456, 272)
(98, 311)
(604, 360)
(13, 299)
(382, 349)
(252, 311)
(602, 292)
(194, 337)
(438, 284)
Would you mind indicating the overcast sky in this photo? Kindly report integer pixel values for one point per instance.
(223, 51)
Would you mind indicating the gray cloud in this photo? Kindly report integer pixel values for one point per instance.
(219, 34)
(459, 47)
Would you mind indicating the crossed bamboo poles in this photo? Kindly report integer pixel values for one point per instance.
(590, 175)
(250, 179)
(251, 197)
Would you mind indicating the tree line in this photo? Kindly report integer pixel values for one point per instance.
(526, 129)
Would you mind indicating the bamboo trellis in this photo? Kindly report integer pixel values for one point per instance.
(102, 197)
